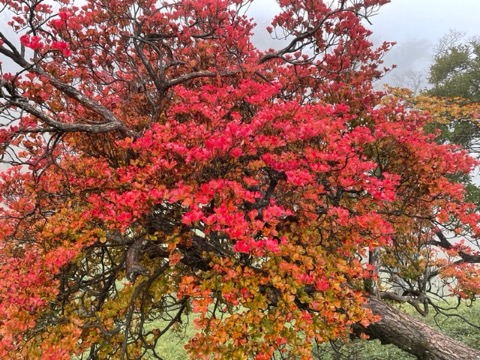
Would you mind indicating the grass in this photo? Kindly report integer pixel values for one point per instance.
(171, 345)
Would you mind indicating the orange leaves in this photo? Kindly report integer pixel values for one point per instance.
(183, 170)
(467, 278)
(445, 110)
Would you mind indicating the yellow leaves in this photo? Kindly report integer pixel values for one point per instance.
(443, 110)
(446, 110)
(289, 298)
(276, 281)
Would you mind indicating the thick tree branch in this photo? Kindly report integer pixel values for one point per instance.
(413, 336)
(111, 121)
(420, 302)
(55, 125)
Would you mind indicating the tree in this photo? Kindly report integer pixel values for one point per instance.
(455, 74)
(453, 98)
(160, 165)
(454, 120)
(453, 106)
(410, 79)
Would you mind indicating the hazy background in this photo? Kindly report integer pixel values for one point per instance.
(415, 25)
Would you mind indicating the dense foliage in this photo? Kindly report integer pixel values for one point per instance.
(160, 164)
(356, 349)
(454, 78)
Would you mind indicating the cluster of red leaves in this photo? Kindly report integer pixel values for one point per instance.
(277, 170)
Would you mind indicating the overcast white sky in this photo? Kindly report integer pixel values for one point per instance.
(415, 25)
(429, 19)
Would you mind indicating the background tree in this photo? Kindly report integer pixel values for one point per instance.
(453, 105)
(453, 98)
(411, 79)
(455, 75)
(160, 165)
(455, 70)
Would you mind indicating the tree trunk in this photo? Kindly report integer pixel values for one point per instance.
(415, 337)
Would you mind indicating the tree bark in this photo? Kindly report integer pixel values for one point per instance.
(413, 336)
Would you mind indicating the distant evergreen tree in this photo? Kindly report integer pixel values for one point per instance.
(455, 73)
